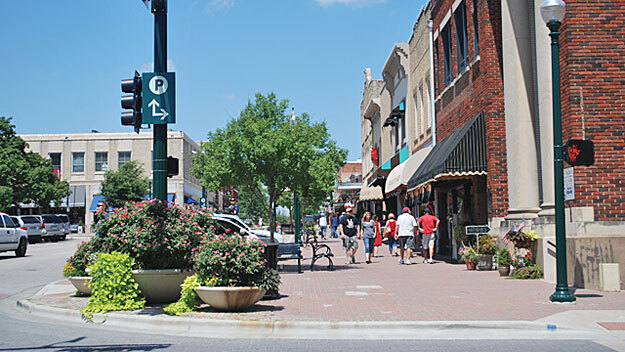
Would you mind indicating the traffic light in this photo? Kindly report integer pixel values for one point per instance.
(579, 152)
(172, 166)
(132, 102)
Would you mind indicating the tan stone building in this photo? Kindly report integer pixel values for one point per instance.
(81, 159)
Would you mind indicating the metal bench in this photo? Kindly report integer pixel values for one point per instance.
(321, 251)
(287, 251)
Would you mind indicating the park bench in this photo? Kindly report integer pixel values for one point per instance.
(319, 251)
(287, 251)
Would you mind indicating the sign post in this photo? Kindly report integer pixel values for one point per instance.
(477, 230)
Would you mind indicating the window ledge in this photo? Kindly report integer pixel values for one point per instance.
(453, 83)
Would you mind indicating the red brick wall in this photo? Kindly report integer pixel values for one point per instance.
(592, 56)
(478, 90)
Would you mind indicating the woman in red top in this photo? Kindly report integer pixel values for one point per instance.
(378, 237)
(389, 231)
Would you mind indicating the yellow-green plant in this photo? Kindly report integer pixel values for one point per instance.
(112, 284)
(531, 235)
(188, 298)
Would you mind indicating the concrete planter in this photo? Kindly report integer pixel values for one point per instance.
(504, 270)
(81, 283)
(230, 299)
(160, 286)
(485, 262)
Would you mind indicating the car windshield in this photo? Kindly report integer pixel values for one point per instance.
(50, 219)
(30, 220)
(64, 217)
(238, 222)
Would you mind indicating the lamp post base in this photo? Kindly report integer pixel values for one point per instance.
(562, 295)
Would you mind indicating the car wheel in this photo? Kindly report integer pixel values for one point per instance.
(63, 237)
(54, 238)
(21, 249)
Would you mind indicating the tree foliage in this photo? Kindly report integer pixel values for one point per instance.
(264, 147)
(26, 176)
(251, 206)
(126, 184)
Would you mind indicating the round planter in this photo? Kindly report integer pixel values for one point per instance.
(504, 270)
(230, 299)
(160, 286)
(81, 283)
(470, 264)
(485, 262)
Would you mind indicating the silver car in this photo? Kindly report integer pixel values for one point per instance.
(65, 219)
(32, 225)
(54, 227)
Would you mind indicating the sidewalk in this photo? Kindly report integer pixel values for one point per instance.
(385, 292)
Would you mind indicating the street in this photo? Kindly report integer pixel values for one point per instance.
(23, 277)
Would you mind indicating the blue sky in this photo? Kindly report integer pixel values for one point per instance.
(62, 61)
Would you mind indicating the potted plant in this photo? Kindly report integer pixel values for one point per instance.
(522, 239)
(81, 227)
(75, 269)
(159, 238)
(232, 273)
(487, 248)
(503, 262)
(469, 255)
(459, 234)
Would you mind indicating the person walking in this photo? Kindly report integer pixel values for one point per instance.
(428, 225)
(378, 237)
(349, 228)
(367, 232)
(335, 224)
(323, 226)
(406, 228)
(389, 232)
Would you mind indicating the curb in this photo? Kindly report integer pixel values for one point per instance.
(395, 330)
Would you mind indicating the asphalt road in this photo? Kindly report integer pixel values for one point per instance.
(22, 277)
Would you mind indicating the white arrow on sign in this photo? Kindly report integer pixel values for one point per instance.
(154, 104)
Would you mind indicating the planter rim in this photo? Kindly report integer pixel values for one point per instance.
(159, 271)
(228, 288)
(79, 277)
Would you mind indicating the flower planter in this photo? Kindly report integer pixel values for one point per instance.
(81, 283)
(160, 286)
(504, 270)
(471, 264)
(485, 262)
(230, 299)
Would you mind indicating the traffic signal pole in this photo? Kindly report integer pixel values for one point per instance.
(159, 156)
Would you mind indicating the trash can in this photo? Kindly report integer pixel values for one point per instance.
(271, 257)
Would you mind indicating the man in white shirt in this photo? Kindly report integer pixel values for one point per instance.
(323, 225)
(406, 228)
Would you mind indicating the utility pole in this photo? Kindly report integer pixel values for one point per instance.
(159, 157)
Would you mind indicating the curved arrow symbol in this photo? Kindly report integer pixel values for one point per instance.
(154, 104)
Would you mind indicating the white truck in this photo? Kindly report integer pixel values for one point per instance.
(12, 238)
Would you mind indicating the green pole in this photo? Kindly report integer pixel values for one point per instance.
(159, 157)
(562, 293)
(297, 219)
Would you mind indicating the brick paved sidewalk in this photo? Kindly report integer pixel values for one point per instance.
(387, 291)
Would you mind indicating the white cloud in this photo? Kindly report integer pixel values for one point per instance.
(149, 66)
(357, 3)
(218, 5)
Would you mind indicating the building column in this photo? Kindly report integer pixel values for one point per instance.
(545, 111)
(521, 148)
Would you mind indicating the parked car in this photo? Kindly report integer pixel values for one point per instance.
(73, 228)
(32, 225)
(263, 235)
(12, 238)
(65, 219)
(54, 227)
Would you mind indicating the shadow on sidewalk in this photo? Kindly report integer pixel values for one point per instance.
(289, 269)
(258, 307)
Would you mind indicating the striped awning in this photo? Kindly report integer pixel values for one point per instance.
(370, 193)
(462, 153)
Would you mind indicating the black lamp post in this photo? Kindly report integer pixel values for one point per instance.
(552, 12)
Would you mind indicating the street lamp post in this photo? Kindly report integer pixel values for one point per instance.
(552, 12)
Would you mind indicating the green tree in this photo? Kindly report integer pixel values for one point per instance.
(26, 176)
(250, 206)
(264, 147)
(126, 184)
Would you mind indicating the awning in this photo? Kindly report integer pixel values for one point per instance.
(189, 200)
(462, 153)
(371, 193)
(98, 198)
(401, 174)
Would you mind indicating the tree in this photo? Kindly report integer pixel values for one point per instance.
(26, 176)
(264, 147)
(250, 206)
(126, 184)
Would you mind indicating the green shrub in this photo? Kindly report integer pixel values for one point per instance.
(488, 245)
(113, 287)
(188, 298)
(528, 272)
(504, 257)
(82, 258)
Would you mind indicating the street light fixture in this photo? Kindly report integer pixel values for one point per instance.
(552, 12)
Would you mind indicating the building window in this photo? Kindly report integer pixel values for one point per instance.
(402, 122)
(476, 29)
(422, 109)
(428, 103)
(55, 158)
(101, 161)
(122, 158)
(78, 162)
(461, 37)
(446, 33)
(438, 68)
(417, 124)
